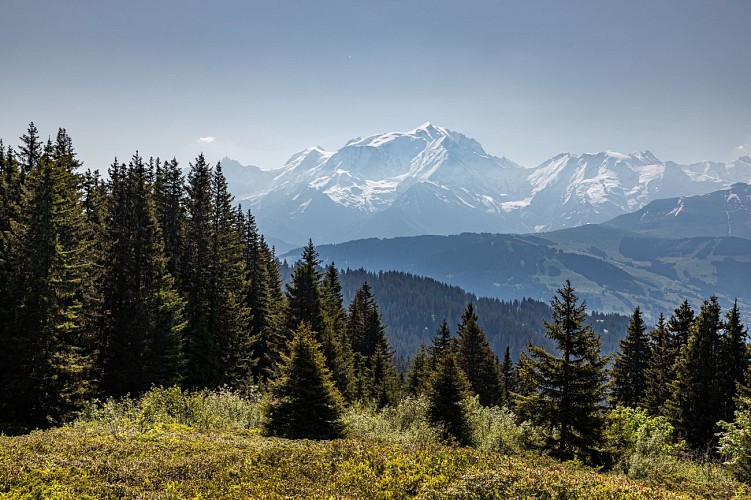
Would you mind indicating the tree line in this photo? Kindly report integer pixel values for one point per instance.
(153, 278)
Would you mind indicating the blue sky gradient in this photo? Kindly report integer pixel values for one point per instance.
(265, 79)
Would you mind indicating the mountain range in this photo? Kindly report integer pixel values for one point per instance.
(431, 180)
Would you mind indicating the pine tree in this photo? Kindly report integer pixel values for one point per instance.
(229, 315)
(337, 348)
(477, 360)
(568, 388)
(304, 294)
(170, 212)
(448, 388)
(304, 403)
(696, 403)
(509, 383)
(143, 333)
(660, 369)
(46, 336)
(441, 344)
(419, 371)
(385, 387)
(733, 361)
(679, 325)
(29, 152)
(628, 377)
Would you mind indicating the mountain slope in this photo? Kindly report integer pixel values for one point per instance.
(721, 213)
(431, 180)
(614, 270)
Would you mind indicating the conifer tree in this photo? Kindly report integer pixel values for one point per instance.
(568, 388)
(46, 335)
(659, 373)
(170, 212)
(420, 370)
(696, 402)
(628, 377)
(143, 332)
(336, 347)
(304, 294)
(679, 325)
(448, 388)
(29, 152)
(733, 361)
(304, 403)
(508, 380)
(477, 360)
(385, 386)
(229, 314)
(441, 344)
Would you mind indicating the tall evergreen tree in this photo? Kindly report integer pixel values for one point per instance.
(142, 336)
(441, 344)
(304, 403)
(336, 347)
(628, 377)
(509, 382)
(46, 337)
(733, 361)
(568, 388)
(660, 372)
(420, 370)
(29, 152)
(477, 360)
(696, 402)
(304, 294)
(679, 325)
(170, 212)
(448, 388)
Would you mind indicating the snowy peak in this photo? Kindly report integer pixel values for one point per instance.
(433, 180)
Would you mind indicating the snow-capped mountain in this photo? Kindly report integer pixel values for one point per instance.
(432, 180)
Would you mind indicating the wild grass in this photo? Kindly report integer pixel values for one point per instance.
(178, 444)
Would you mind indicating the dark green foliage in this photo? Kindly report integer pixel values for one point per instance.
(415, 306)
(447, 389)
(660, 369)
(304, 403)
(218, 344)
(29, 152)
(696, 403)
(679, 325)
(509, 380)
(337, 347)
(143, 330)
(46, 331)
(477, 360)
(628, 377)
(419, 371)
(568, 388)
(385, 386)
(441, 344)
(304, 294)
(170, 212)
(733, 362)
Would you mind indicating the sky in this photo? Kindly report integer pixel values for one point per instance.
(260, 80)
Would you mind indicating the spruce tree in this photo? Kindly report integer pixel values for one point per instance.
(143, 332)
(568, 387)
(29, 152)
(509, 381)
(628, 377)
(304, 294)
(46, 333)
(441, 344)
(660, 372)
(696, 403)
(419, 371)
(448, 387)
(477, 360)
(170, 212)
(304, 403)
(336, 347)
(733, 361)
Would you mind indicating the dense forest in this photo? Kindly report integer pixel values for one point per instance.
(153, 279)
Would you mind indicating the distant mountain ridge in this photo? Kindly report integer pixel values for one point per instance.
(725, 212)
(431, 180)
(613, 270)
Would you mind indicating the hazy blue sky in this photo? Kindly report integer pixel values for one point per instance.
(527, 79)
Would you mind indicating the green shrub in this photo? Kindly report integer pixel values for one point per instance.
(735, 441)
(496, 429)
(220, 409)
(407, 422)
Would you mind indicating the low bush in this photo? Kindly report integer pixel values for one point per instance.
(221, 409)
(496, 429)
(406, 422)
